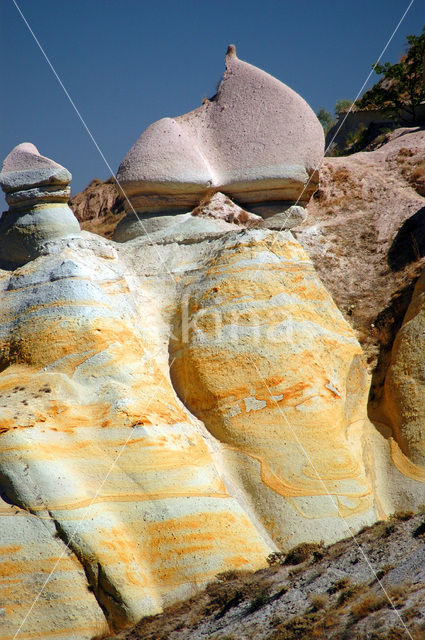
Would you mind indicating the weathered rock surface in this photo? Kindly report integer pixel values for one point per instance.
(331, 593)
(365, 234)
(256, 140)
(171, 407)
(402, 409)
(37, 192)
(85, 372)
(99, 207)
(257, 350)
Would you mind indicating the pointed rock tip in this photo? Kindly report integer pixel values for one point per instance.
(231, 51)
(28, 147)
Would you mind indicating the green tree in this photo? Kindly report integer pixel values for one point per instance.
(326, 119)
(402, 87)
(342, 105)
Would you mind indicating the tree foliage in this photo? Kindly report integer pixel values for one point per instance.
(325, 118)
(342, 105)
(402, 87)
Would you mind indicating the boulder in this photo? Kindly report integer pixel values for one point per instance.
(256, 140)
(99, 207)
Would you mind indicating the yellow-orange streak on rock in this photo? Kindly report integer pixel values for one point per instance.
(404, 465)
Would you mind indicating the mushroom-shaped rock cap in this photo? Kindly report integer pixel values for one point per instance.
(37, 193)
(256, 140)
(25, 168)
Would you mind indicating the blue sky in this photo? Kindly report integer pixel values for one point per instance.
(127, 63)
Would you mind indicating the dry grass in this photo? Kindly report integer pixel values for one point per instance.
(417, 179)
(380, 529)
(318, 601)
(305, 551)
(382, 571)
(340, 584)
(296, 627)
(398, 594)
(412, 168)
(348, 593)
(369, 604)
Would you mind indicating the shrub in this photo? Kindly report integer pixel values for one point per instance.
(384, 570)
(318, 601)
(369, 604)
(348, 593)
(296, 627)
(325, 118)
(276, 558)
(402, 86)
(304, 551)
(296, 571)
(398, 595)
(403, 516)
(225, 596)
(342, 583)
(259, 600)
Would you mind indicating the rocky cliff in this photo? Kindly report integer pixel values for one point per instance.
(185, 399)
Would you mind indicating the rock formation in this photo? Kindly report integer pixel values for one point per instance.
(256, 140)
(37, 193)
(365, 234)
(99, 207)
(402, 409)
(314, 592)
(179, 403)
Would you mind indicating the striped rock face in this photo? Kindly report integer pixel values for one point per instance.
(98, 453)
(274, 372)
(169, 411)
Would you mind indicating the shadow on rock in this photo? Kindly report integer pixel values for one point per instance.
(409, 243)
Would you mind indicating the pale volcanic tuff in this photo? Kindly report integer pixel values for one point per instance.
(171, 406)
(37, 191)
(256, 140)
